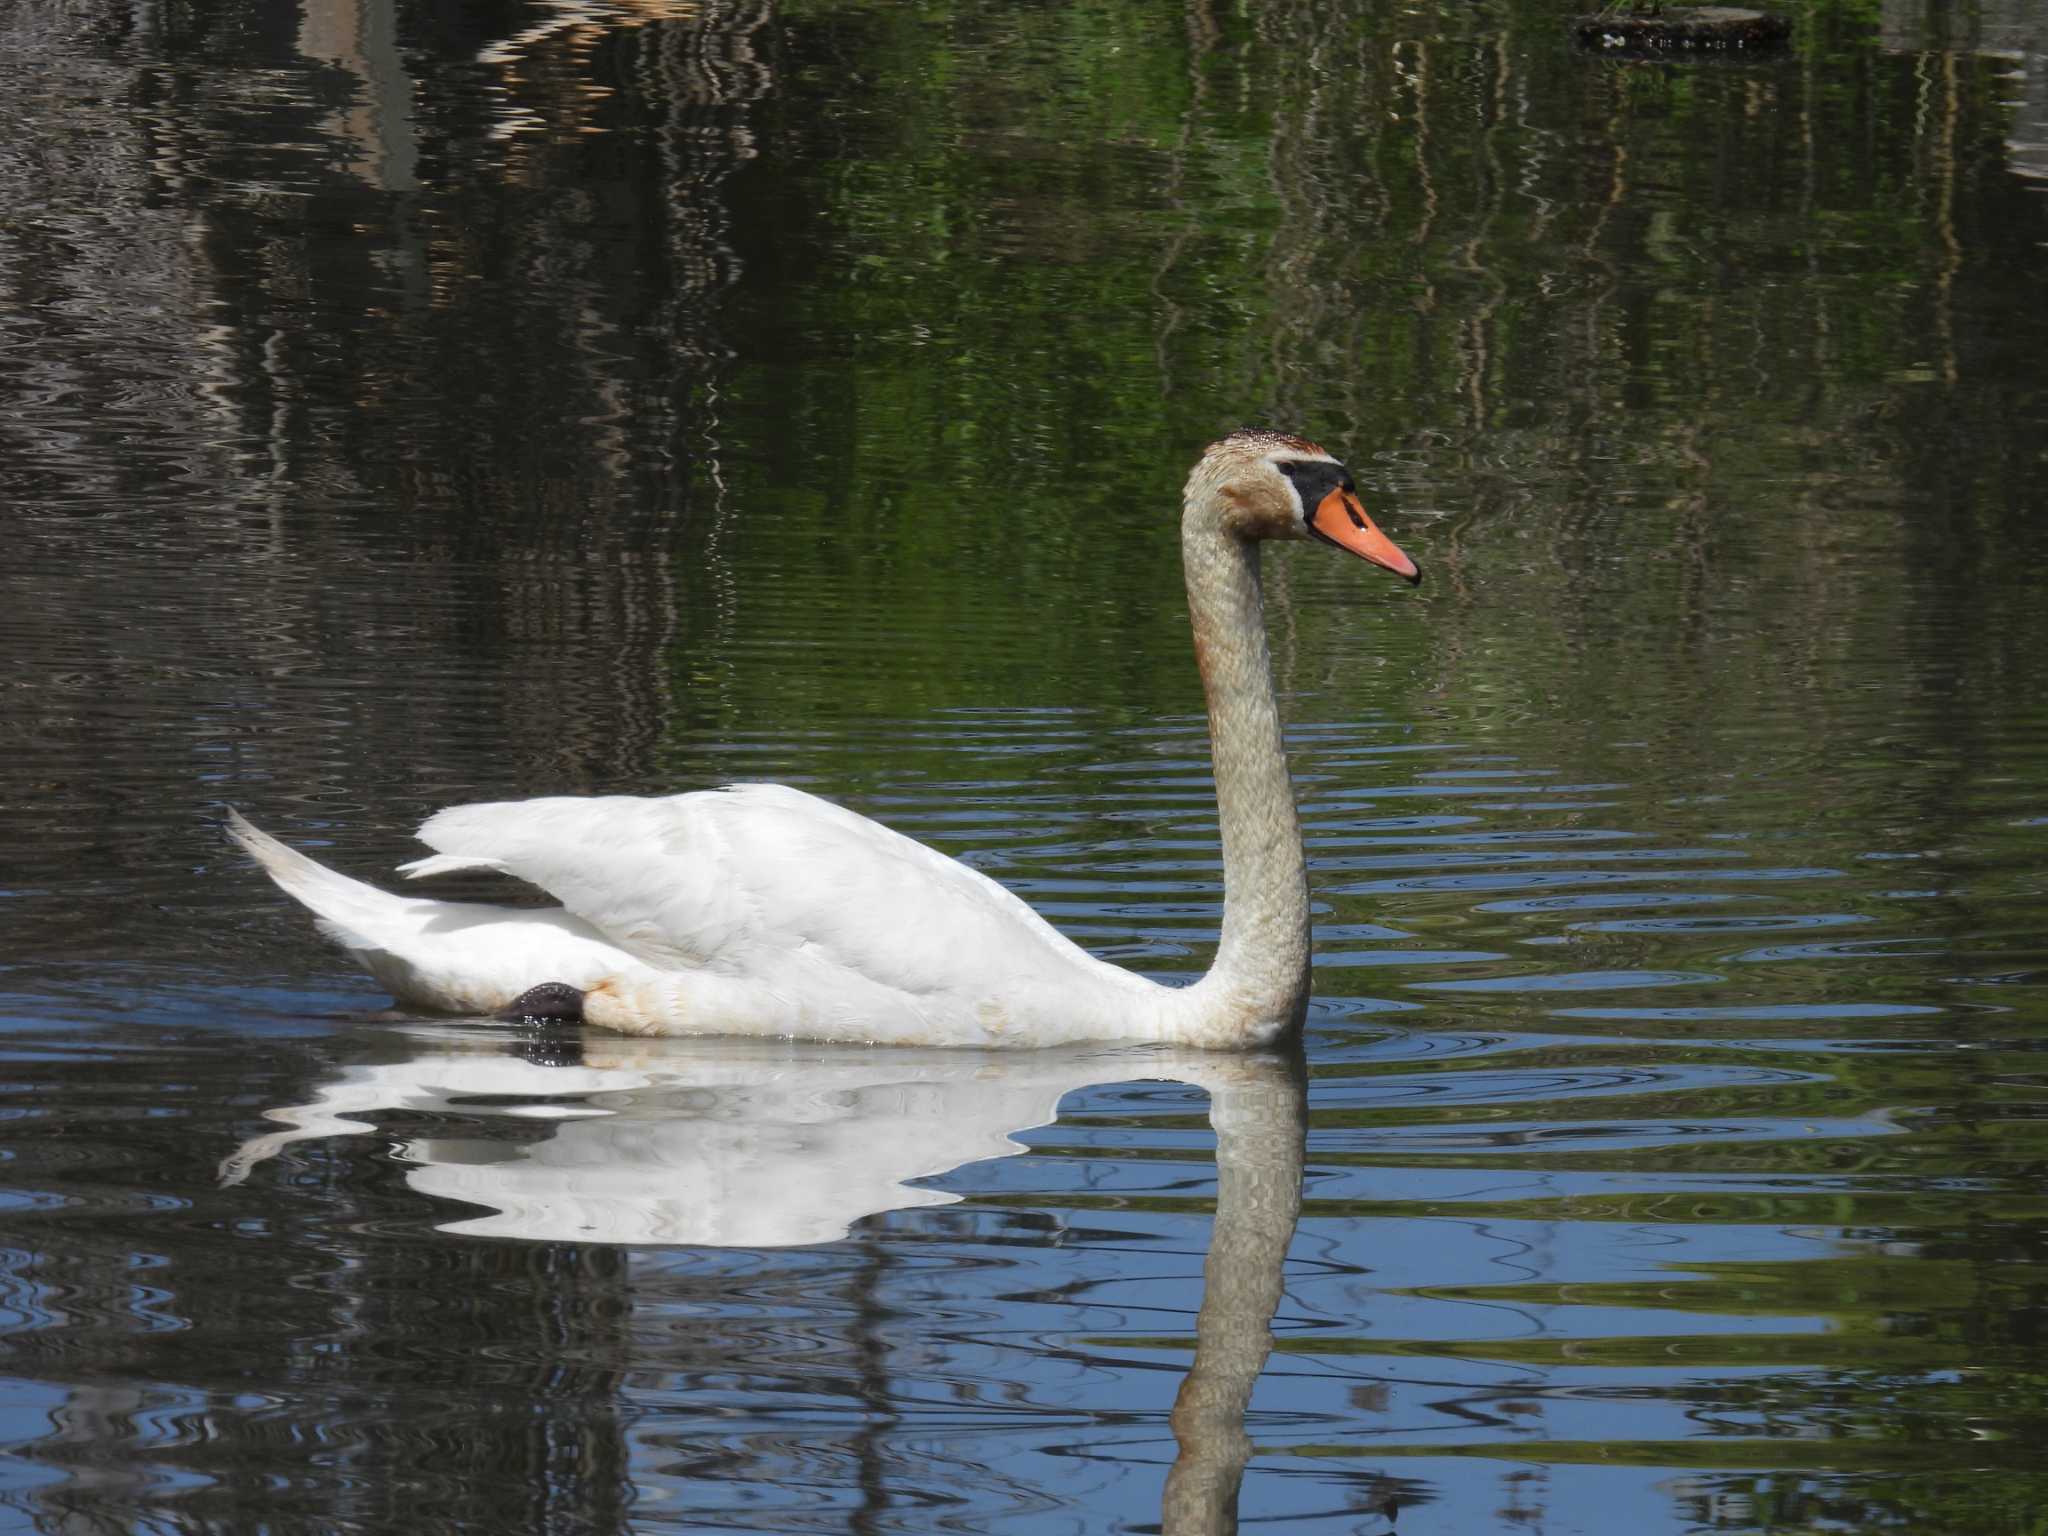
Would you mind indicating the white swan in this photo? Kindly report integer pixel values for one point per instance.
(762, 910)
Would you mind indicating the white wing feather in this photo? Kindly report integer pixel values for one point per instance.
(763, 881)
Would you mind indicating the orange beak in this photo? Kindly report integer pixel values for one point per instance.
(1341, 519)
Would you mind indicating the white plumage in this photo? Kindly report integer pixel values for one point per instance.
(762, 910)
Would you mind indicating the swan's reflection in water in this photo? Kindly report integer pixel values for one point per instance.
(766, 1144)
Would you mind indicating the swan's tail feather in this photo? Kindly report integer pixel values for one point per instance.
(348, 911)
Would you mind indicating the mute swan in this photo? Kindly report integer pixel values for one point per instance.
(761, 910)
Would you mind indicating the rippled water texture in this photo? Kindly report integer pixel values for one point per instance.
(402, 405)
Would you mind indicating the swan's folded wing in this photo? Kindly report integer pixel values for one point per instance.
(753, 879)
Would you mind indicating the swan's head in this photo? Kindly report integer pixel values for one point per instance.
(1268, 485)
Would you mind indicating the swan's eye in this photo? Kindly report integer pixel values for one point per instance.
(1314, 479)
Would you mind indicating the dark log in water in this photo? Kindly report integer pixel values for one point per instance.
(1682, 29)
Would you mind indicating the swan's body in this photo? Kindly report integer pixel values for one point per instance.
(762, 910)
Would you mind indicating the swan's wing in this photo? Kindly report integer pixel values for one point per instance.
(752, 879)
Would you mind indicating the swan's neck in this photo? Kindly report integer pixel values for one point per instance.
(1258, 987)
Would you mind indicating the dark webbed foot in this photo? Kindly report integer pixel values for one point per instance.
(550, 1001)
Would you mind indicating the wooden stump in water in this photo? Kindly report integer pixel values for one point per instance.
(1681, 29)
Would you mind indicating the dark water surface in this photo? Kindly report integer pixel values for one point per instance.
(404, 404)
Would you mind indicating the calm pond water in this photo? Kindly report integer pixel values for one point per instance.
(404, 404)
